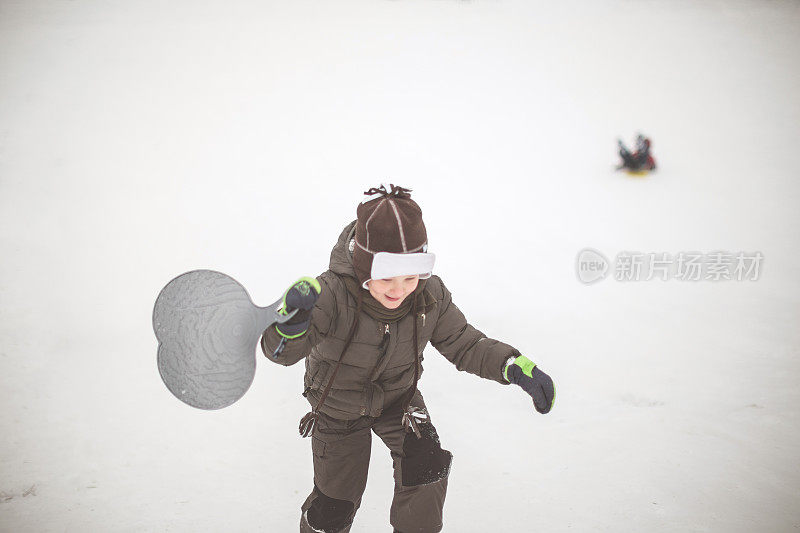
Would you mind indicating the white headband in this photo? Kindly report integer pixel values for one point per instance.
(389, 265)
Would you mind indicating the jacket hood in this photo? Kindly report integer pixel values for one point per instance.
(341, 255)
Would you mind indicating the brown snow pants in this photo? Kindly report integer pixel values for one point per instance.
(341, 452)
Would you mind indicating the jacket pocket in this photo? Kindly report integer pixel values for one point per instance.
(317, 377)
(317, 447)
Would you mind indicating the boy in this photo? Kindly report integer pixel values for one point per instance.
(361, 327)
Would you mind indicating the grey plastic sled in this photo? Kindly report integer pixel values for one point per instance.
(208, 329)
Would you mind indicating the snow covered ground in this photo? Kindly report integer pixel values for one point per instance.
(142, 139)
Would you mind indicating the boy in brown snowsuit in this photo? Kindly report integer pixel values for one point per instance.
(361, 327)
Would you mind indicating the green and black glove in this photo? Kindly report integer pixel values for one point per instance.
(524, 372)
(302, 295)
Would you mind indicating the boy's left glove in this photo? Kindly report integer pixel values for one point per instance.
(524, 372)
(302, 295)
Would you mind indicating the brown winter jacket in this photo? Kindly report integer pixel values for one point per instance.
(378, 367)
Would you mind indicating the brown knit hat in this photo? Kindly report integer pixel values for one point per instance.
(390, 236)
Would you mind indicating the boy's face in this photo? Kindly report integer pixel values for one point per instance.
(391, 292)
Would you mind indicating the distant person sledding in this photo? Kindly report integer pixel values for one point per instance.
(639, 162)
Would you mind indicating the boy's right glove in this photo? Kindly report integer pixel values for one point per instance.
(302, 295)
(524, 372)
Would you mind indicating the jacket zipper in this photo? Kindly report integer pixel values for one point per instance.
(382, 348)
(422, 316)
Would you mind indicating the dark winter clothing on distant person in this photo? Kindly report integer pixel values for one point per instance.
(640, 159)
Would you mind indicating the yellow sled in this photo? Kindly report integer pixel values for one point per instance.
(637, 173)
